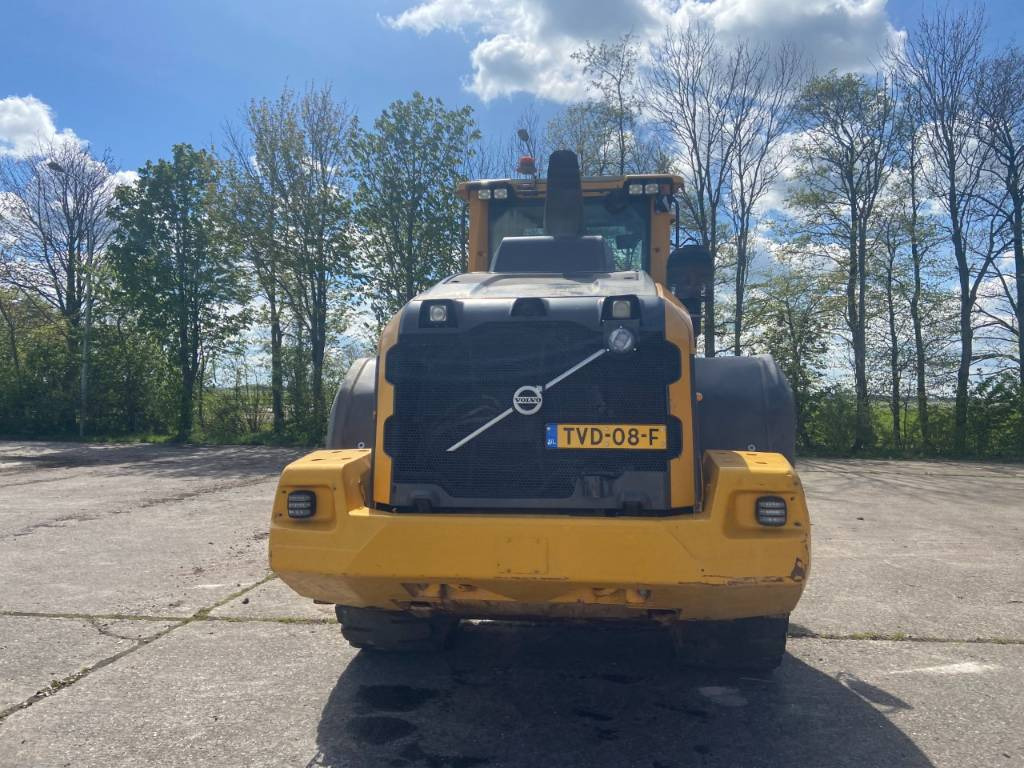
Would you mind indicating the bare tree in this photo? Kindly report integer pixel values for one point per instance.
(586, 128)
(690, 94)
(939, 65)
(311, 134)
(54, 217)
(255, 197)
(1001, 104)
(921, 231)
(849, 143)
(612, 69)
(892, 238)
(762, 113)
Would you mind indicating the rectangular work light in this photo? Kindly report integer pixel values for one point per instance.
(301, 504)
(771, 510)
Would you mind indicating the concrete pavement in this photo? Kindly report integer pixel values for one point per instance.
(139, 626)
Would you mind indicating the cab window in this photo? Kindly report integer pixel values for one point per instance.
(624, 224)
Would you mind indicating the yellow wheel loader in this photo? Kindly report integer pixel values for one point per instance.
(535, 439)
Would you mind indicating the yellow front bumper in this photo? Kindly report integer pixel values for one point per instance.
(715, 564)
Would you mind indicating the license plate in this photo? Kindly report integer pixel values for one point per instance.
(639, 437)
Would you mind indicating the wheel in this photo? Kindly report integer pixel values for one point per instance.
(394, 631)
(753, 645)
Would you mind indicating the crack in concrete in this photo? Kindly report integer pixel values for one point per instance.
(58, 521)
(106, 632)
(203, 614)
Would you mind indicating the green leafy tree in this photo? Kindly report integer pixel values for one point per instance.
(174, 272)
(791, 311)
(408, 217)
(286, 202)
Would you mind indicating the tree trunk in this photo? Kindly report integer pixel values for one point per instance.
(71, 375)
(919, 352)
(855, 289)
(11, 339)
(741, 286)
(84, 393)
(709, 299)
(276, 367)
(317, 346)
(1017, 226)
(917, 256)
(963, 373)
(894, 360)
(188, 381)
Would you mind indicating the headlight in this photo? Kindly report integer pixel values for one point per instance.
(621, 340)
(438, 313)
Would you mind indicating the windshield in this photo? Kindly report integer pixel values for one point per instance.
(622, 222)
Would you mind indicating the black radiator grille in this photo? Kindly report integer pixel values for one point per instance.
(449, 384)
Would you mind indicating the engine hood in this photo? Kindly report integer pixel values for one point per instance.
(483, 297)
(506, 285)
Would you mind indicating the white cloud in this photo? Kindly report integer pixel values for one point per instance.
(122, 178)
(848, 35)
(26, 124)
(526, 46)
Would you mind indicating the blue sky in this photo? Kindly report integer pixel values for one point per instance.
(137, 77)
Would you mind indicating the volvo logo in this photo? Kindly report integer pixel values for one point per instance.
(527, 400)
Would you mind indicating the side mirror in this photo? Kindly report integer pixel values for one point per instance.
(690, 271)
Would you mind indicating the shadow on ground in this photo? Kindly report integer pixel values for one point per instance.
(532, 695)
(175, 461)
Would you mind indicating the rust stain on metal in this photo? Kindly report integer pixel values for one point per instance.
(798, 572)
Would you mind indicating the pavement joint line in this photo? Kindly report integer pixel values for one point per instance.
(901, 637)
(175, 619)
(66, 682)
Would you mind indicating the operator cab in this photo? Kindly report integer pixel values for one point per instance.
(622, 223)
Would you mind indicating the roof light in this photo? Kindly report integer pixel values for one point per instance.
(771, 511)
(484, 194)
(527, 166)
(651, 189)
(636, 189)
(501, 193)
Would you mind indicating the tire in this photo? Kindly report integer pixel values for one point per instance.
(394, 631)
(750, 645)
